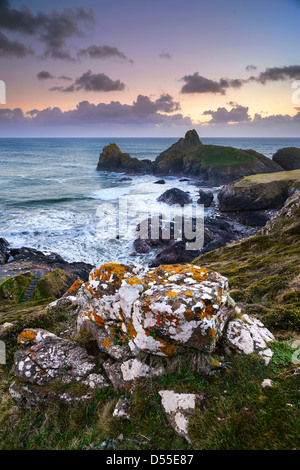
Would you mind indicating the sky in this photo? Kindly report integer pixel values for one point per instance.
(154, 68)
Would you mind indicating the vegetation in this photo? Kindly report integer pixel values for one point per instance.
(12, 289)
(51, 286)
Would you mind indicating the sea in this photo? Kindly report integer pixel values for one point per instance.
(53, 199)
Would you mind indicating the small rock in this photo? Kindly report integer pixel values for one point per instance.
(267, 383)
(122, 410)
(178, 408)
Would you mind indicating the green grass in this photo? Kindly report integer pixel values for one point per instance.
(12, 289)
(293, 175)
(52, 286)
(238, 412)
(214, 155)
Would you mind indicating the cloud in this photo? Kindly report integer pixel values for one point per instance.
(143, 112)
(44, 75)
(103, 52)
(10, 48)
(197, 84)
(92, 82)
(98, 82)
(52, 29)
(238, 113)
(64, 77)
(165, 55)
(275, 74)
(164, 103)
(251, 68)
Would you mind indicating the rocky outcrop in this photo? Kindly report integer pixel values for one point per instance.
(175, 196)
(190, 140)
(205, 197)
(4, 251)
(135, 314)
(35, 257)
(217, 233)
(112, 159)
(259, 192)
(288, 158)
(211, 163)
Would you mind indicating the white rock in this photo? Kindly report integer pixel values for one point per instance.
(247, 334)
(267, 383)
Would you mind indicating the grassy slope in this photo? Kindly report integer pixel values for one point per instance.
(264, 270)
(247, 181)
(211, 155)
(239, 413)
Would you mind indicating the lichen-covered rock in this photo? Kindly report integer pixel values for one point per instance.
(178, 408)
(126, 375)
(30, 395)
(161, 311)
(50, 359)
(96, 381)
(247, 334)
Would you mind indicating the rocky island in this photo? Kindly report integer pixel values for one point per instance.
(212, 164)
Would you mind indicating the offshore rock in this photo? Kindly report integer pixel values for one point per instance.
(161, 311)
(288, 158)
(205, 197)
(175, 196)
(112, 159)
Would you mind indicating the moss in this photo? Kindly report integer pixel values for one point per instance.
(52, 286)
(13, 289)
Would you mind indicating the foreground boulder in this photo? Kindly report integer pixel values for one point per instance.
(112, 159)
(259, 192)
(161, 311)
(288, 158)
(133, 313)
(47, 367)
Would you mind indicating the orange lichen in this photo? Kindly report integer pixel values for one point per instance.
(171, 293)
(77, 284)
(26, 335)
